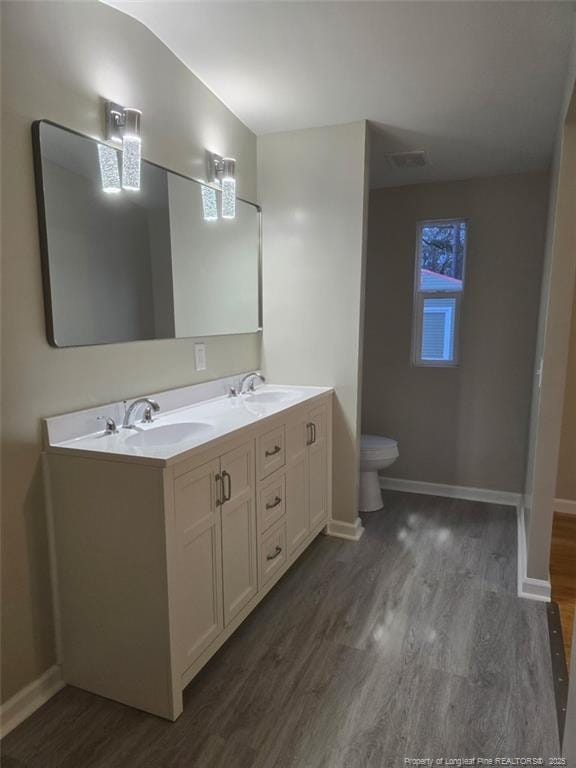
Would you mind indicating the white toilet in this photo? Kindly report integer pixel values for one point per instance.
(376, 453)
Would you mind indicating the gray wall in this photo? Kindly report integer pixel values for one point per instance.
(313, 186)
(466, 425)
(60, 60)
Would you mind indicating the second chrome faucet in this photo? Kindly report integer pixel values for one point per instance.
(129, 413)
(246, 379)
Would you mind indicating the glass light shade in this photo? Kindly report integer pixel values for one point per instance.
(131, 155)
(109, 171)
(209, 207)
(132, 121)
(228, 198)
(228, 188)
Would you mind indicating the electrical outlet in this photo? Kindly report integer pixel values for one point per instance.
(200, 356)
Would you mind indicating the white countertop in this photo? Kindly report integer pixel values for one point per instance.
(173, 433)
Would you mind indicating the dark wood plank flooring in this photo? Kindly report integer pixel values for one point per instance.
(411, 643)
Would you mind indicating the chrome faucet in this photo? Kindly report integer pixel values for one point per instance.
(249, 377)
(151, 405)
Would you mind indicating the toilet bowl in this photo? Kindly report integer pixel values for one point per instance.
(376, 453)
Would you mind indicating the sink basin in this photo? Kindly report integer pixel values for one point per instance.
(271, 397)
(168, 434)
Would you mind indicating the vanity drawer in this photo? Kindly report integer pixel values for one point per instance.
(271, 502)
(271, 452)
(272, 552)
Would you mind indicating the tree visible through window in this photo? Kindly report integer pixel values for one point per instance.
(440, 263)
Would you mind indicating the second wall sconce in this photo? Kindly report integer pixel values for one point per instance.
(221, 172)
(122, 126)
(228, 188)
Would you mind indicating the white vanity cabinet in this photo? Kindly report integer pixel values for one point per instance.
(158, 562)
(317, 446)
(238, 509)
(199, 613)
(307, 446)
(215, 512)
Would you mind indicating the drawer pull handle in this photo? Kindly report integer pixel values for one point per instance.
(276, 450)
(275, 503)
(277, 551)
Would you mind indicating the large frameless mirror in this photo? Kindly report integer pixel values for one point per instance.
(126, 265)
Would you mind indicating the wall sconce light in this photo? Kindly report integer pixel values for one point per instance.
(222, 171)
(209, 207)
(123, 125)
(109, 171)
(228, 188)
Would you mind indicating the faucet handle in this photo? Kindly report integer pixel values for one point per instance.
(110, 427)
(147, 417)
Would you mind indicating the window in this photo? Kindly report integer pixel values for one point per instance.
(438, 291)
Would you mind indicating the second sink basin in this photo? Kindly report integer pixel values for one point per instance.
(168, 434)
(271, 396)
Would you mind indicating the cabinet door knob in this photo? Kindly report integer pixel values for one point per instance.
(275, 503)
(276, 450)
(276, 553)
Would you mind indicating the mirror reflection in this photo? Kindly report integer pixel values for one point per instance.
(125, 265)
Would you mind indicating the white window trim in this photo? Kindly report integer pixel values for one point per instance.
(419, 296)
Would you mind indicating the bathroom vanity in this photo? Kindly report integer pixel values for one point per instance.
(168, 535)
(168, 531)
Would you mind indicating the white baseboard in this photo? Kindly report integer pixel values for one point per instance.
(451, 491)
(29, 699)
(532, 589)
(565, 506)
(350, 531)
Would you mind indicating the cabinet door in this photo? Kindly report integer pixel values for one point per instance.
(297, 511)
(238, 530)
(317, 465)
(199, 538)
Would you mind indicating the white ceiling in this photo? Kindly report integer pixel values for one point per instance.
(477, 85)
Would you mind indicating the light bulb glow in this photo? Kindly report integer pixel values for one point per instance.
(131, 156)
(209, 207)
(109, 171)
(228, 198)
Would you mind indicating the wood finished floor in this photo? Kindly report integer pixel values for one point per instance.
(410, 643)
(563, 574)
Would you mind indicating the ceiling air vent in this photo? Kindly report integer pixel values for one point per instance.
(414, 159)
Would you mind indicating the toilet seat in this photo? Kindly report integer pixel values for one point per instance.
(376, 446)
